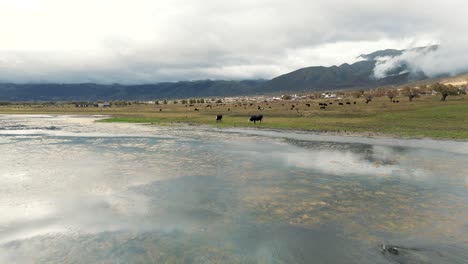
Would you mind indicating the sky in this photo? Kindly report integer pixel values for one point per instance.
(148, 41)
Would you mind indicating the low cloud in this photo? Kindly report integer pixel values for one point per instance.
(448, 59)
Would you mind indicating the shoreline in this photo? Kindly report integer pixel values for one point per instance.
(355, 134)
(426, 118)
(111, 118)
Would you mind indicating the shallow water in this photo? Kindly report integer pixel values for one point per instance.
(76, 191)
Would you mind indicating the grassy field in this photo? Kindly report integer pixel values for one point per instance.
(424, 117)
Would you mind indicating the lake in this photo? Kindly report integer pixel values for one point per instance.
(73, 190)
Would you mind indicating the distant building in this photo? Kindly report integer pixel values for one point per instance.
(105, 104)
(328, 95)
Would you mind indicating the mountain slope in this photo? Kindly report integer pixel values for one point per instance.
(93, 91)
(356, 75)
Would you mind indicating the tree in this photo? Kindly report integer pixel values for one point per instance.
(202, 101)
(356, 94)
(175, 102)
(391, 93)
(379, 92)
(410, 92)
(446, 90)
(184, 101)
(165, 102)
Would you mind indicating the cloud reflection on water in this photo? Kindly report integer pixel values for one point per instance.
(200, 191)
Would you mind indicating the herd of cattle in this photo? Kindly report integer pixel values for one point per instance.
(259, 118)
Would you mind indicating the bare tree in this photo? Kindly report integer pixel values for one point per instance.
(391, 94)
(410, 92)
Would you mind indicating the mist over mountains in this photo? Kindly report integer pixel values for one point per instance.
(379, 68)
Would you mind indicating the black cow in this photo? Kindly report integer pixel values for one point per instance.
(308, 105)
(323, 107)
(256, 118)
(340, 103)
(348, 103)
(219, 118)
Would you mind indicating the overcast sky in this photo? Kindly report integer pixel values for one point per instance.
(143, 41)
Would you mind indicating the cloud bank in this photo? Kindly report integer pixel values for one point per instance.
(143, 41)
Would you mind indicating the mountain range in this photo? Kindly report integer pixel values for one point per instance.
(346, 76)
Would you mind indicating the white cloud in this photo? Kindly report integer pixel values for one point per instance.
(134, 41)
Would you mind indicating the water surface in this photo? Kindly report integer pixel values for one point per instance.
(76, 191)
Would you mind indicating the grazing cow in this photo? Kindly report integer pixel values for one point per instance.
(325, 104)
(196, 109)
(229, 109)
(330, 103)
(348, 103)
(256, 118)
(219, 118)
(320, 104)
(323, 107)
(160, 109)
(393, 101)
(340, 103)
(397, 101)
(308, 105)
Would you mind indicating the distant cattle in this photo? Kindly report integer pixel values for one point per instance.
(160, 109)
(219, 118)
(308, 105)
(330, 103)
(340, 103)
(323, 107)
(354, 102)
(196, 109)
(256, 118)
(348, 103)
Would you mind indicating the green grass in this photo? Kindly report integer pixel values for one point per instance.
(425, 117)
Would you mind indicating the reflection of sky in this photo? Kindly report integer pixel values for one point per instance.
(71, 181)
